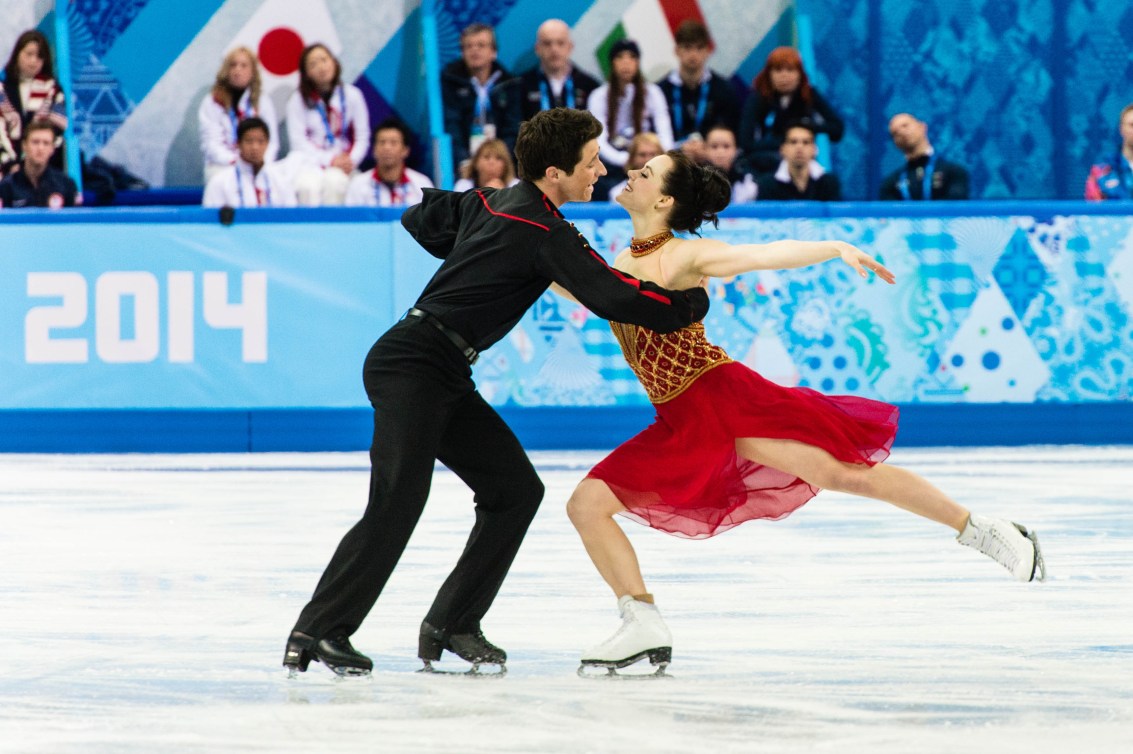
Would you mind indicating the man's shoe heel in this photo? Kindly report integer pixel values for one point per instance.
(430, 647)
(297, 655)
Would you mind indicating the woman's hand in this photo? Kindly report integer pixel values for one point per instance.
(862, 262)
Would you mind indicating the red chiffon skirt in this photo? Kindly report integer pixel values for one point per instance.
(682, 475)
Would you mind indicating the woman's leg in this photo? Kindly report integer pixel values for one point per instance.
(591, 509)
(892, 484)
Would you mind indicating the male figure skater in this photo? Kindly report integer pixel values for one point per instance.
(502, 249)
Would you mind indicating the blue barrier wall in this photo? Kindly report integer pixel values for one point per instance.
(162, 329)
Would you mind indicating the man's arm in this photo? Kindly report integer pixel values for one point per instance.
(568, 259)
(434, 222)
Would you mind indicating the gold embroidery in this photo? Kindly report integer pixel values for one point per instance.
(668, 364)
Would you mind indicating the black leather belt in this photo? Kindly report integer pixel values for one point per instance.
(457, 339)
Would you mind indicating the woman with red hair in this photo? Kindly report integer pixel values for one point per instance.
(782, 95)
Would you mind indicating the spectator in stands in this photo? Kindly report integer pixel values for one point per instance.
(799, 175)
(481, 98)
(490, 167)
(925, 174)
(251, 181)
(782, 94)
(36, 183)
(30, 92)
(644, 147)
(555, 81)
(391, 183)
(699, 98)
(236, 95)
(626, 105)
(1114, 179)
(720, 150)
(328, 127)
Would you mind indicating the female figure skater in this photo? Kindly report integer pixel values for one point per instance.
(727, 445)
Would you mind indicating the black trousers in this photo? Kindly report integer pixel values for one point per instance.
(426, 408)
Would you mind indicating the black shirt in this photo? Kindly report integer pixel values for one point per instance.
(55, 189)
(502, 248)
(949, 180)
(535, 87)
(825, 188)
(720, 107)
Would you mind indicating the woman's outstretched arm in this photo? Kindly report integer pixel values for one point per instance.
(714, 258)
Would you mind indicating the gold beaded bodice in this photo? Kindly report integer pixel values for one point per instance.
(668, 364)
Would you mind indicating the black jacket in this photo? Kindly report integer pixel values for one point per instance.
(502, 248)
(55, 189)
(949, 181)
(532, 82)
(721, 106)
(459, 99)
(763, 124)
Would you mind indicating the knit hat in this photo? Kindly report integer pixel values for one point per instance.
(624, 45)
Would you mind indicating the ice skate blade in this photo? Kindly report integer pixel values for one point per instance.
(612, 674)
(659, 657)
(472, 672)
(1038, 573)
(347, 671)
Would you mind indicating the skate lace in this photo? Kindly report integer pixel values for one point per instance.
(991, 542)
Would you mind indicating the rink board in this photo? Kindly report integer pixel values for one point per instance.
(164, 329)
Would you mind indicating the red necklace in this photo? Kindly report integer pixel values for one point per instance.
(645, 246)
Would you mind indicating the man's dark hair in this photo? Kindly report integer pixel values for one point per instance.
(692, 33)
(38, 124)
(806, 125)
(251, 123)
(478, 28)
(395, 124)
(554, 138)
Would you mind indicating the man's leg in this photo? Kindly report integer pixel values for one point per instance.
(483, 451)
(411, 408)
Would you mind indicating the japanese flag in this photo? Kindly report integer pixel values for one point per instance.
(277, 33)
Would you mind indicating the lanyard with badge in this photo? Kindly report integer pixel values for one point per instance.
(701, 108)
(321, 106)
(398, 192)
(545, 94)
(926, 182)
(266, 200)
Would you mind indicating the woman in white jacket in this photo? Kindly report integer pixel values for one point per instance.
(236, 95)
(328, 128)
(628, 105)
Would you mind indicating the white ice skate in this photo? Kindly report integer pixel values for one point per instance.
(642, 634)
(1007, 543)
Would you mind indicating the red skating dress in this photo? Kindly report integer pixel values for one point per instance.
(682, 475)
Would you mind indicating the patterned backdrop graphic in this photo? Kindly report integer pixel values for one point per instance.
(1026, 93)
(986, 310)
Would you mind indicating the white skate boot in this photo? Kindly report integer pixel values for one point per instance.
(642, 634)
(1008, 544)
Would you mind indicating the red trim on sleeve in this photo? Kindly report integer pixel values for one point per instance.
(657, 296)
(509, 217)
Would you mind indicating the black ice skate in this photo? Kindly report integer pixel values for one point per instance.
(471, 647)
(336, 653)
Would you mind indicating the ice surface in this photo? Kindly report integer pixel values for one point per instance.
(145, 600)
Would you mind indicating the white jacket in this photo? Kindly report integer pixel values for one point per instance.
(349, 132)
(656, 110)
(218, 128)
(235, 187)
(367, 190)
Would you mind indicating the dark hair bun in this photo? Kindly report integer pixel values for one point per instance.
(715, 190)
(699, 192)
